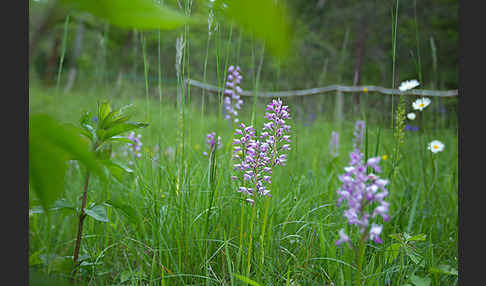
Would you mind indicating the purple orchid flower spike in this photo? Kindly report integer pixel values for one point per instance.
(256, 156)
(232, 100)
(361, 190)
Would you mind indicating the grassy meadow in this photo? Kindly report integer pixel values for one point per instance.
(161, 230)
(137, 178)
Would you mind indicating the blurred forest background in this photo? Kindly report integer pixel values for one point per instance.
(334, 42)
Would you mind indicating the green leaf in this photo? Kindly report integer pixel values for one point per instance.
(63, 205)
(35, 259)
(86, 263)
(406, 236)
(116, 169)
(117, 116)
(126, 209)
(134, 14)
(104, 109)
(444, 269)
(37, 278)
(89, 131)
(47, 169)
(418, 237)
(98, 212)
(396, 236)
(121, 128)
(265, 19)
(420, 281)
(51, 144)
(103, 152)
(414, 256)
(392, 252)
(120, 139)
(246, 279)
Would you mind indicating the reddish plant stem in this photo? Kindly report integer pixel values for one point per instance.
(82, 216)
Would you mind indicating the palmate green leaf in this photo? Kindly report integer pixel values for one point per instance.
(98, 212)
(51, 145)
(265, 19)
(134, 14)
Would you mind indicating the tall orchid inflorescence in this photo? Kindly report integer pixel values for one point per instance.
(258, 155)
(212, 143)
(359, 129)
(232, 100)
(361, 190)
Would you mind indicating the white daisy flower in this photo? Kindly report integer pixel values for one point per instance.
(436, 146)
(411, 116)
(421, 103)
(408, 84)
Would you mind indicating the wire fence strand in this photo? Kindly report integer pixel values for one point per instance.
(321, 90)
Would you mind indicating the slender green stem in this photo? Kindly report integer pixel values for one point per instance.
(250, 243)
(359, 258)
(262, 234)
(145, 69)
(242, 221)
(394, 60)
(204, 74)
(63, 52)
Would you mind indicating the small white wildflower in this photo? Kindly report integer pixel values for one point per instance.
(436, 146)
(409, 84)
(421, 103)
(411, 116)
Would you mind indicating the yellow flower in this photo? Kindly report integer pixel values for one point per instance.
(365, 90)
(384, 157)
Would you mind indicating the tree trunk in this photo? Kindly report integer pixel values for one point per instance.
(361, 31)
(77, 51)
(40, 28)
(51, 63)
(123, 68)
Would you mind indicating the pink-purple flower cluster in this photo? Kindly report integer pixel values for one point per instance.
(362, 190)
(232, 100)
(135, 147)
(257, 155)
(211, 142)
